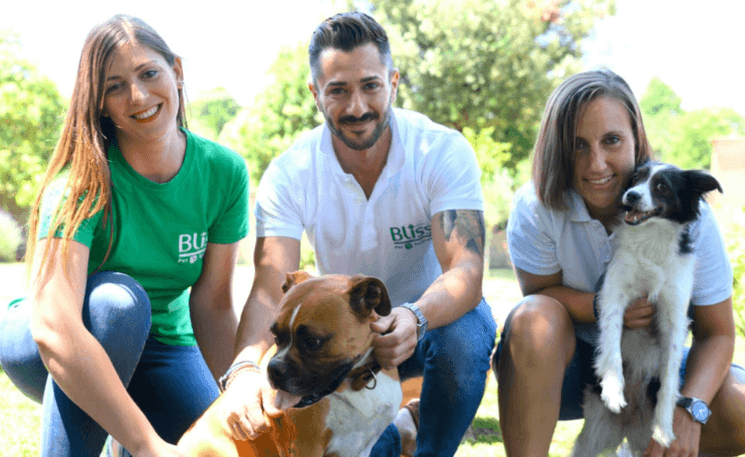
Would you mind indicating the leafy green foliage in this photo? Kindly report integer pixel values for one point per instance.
(486, 64)
(660, 100)
(31, 115)
(10, 238)
(211, 111)
(694, 131)
(680, 137)
(307, 255)
(281, 113)
(496, 182)
(736, 250)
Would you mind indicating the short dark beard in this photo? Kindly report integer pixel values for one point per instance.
(374, 137)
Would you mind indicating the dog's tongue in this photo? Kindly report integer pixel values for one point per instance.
(284, 400)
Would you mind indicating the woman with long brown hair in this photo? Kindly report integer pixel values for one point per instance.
(132, 247)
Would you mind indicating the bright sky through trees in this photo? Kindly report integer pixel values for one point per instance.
(695, 48)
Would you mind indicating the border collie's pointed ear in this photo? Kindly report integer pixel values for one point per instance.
(294, 278)
(367, 293)
(702, 182)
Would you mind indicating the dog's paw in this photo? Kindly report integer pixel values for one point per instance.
(612, 393)
(615, 402)
(664, 437)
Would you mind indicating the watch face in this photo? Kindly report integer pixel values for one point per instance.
(699, 411)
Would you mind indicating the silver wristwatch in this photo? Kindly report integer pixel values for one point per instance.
(697, 408)
(421, 321)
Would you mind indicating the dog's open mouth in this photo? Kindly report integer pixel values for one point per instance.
(634, 217)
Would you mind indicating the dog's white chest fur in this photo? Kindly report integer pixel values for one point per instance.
(647, 261)
(358, 418)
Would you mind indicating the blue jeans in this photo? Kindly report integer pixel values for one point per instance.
(454, 361)
(171, 384)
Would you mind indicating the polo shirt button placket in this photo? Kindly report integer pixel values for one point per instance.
(604, 242)
(350, 184)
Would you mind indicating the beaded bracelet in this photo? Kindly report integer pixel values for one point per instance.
(243, 365)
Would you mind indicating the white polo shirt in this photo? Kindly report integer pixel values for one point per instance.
(430, 168)
(543, 242)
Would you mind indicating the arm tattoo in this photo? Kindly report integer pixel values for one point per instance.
(468, 226)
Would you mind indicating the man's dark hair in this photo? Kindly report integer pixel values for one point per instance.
(347, 31)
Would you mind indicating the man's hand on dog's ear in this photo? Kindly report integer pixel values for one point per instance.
(251, 401)
(397, 340)
(639, 314)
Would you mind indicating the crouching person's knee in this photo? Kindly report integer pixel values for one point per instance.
(538, 331)
(117, 312)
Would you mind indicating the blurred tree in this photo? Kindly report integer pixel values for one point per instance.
(694, 131)
(735, 236)
(660, 99)
(680, 137)
(11, 237)
(211, 111)
(31, 115)
(283, 111)
(487, 64)
(496, 182)
(660, 109)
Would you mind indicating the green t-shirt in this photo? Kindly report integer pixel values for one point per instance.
(161, 231)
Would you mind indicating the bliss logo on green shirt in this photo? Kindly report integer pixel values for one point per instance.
(191, 247)
(406, 237)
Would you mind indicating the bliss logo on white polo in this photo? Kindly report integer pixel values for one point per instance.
(191, 247)
(407, 237)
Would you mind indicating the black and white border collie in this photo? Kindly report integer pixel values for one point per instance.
(653, 257)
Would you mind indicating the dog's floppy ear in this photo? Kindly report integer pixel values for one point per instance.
(702, 182)
(294, 278)
(368, 293)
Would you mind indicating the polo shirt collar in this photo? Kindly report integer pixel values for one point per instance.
(578, 211)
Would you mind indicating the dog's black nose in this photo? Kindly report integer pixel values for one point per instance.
(276, 371)
(631, 197)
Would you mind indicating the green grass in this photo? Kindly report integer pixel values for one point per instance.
(21, 417)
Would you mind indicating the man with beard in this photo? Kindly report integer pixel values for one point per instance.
(388, 193)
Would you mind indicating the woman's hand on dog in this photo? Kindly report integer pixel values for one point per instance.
(687, 436)
(639, 314)
(250, 400)
(397, 340)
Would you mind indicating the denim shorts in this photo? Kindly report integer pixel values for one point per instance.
(580, 373)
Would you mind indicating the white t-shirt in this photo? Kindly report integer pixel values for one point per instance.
(430, 169)
(543, 242)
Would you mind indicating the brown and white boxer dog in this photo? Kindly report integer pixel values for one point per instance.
(335, 398)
